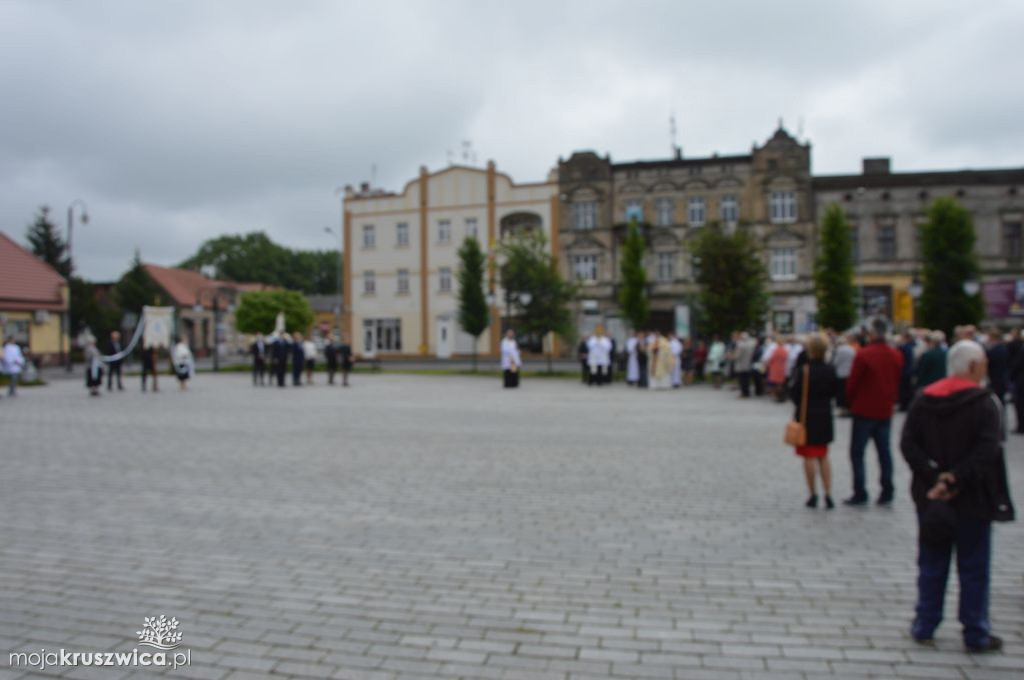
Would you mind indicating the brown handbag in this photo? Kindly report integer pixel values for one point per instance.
(796, 431)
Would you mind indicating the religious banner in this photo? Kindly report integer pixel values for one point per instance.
(158, 322)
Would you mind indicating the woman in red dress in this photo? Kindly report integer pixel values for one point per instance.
(822, 387)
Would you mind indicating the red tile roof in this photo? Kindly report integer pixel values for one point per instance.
(26, 282)
(186, 286)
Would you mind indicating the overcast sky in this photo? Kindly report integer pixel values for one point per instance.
(179, 121)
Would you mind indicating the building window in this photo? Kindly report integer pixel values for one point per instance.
(695, 267)
(1012, 240)
(585, 214)
(783, 264)
(19, 330)
(666, 266)
(382, 334)
(634, 210)
(471, 228)
(855, 242)
(665, 210)
(730, 209)
(444, 276)
(584, 267)
(886, 242)
(444, 231)
(782, 206)
(402, 234)
(695, 213)
(369, 283)
(369, 236)
(782, 322)
(403, 281)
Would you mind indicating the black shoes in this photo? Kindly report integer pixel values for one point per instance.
(885, 498)
(812, 502)
(994, 644)
(829, 505)
(856, 500)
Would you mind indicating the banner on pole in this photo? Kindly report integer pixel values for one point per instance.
(158, 322)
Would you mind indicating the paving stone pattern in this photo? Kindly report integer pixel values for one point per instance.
(441, 527)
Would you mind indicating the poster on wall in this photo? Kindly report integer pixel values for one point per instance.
(1003, 298)
(682, 321)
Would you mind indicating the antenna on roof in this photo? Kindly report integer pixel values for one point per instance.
(800, 128)
(672, 132)
(467, 151)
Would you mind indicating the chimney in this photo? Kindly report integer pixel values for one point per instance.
(364, 188)
(679, 153)
(876, 166)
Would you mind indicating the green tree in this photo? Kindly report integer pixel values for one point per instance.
(87, 309)
(255, 257)
(633, 293)
(949, 260)
(732, 281)
(257, 311)
(474, 317)
(46, 243)
(529, 267)
(833, 272)
(136, 289)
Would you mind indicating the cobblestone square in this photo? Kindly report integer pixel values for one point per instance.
(441, 527)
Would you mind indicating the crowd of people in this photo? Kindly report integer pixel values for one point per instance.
(272, 357)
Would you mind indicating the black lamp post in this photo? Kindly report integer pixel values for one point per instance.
(65, 320)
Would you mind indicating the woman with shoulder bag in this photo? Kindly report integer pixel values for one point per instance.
(814, 387)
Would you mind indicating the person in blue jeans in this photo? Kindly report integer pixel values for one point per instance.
(952, 440)
(872, 390)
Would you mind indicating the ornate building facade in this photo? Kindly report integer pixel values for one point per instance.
(768, 191)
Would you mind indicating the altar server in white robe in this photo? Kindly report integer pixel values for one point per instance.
(511, 361)
(676, 348)
(632, 360)
(599, 356)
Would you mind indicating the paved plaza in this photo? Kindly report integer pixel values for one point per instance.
(441, 527)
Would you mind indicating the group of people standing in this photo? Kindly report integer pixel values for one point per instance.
(98, 364)
(952, 440)
(274, 354)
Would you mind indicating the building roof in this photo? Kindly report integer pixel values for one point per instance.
(894, 180)
(323, 303)
(682, 162)
(26, 282)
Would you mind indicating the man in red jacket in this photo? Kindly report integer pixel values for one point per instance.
(872, 391)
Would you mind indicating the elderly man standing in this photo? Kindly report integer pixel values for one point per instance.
(871, 392)
(952, 440)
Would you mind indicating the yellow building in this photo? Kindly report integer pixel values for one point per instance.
(33, 303)
(401, 256)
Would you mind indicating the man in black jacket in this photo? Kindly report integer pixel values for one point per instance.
(115, 366)
(952, 440)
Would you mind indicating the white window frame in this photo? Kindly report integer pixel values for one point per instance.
(585, 268)
(369, 282)
(386, 335)
(729, 209)
(444, 279)
(666, 266)
(472, 228)
(402, 234)
(444, 231)
(665, 212)
(635, 209)
(782, 207)
(585, 215)
(696, 211)
(369, 236)
(403, 282)
(782, 264)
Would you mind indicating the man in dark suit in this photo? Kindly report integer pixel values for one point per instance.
(258, 350)
(345, 356)
(115, 366)
(281, 352)
(298, 359)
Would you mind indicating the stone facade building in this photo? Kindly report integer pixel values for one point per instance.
(885, 210)
(768, 191)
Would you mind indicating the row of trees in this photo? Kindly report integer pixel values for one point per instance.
(732, 278)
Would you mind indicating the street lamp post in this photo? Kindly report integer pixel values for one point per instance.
(337, 308)
(65, 319)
